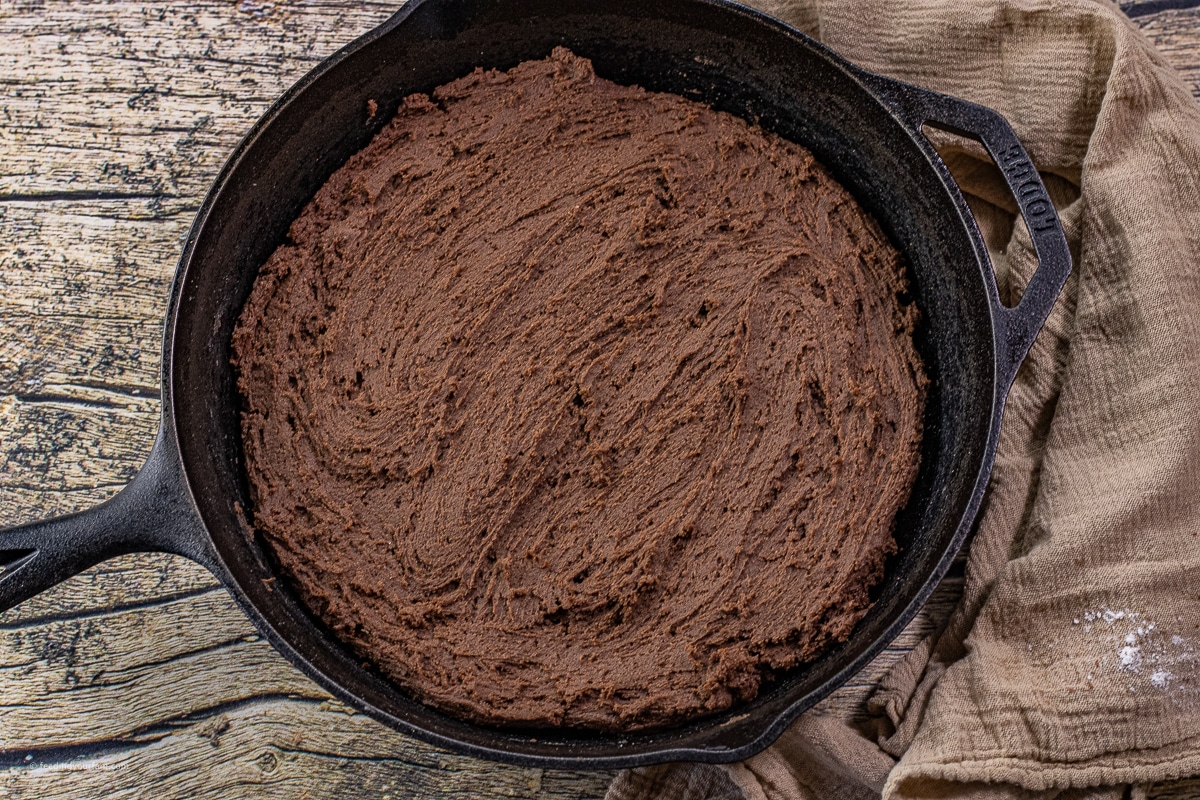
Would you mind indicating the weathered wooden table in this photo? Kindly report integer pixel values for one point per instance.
(141, 678)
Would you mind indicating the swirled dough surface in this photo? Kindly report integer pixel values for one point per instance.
(568, 403)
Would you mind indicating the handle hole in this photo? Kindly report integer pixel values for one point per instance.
(987, 194)
(12, 560)
(951, 142)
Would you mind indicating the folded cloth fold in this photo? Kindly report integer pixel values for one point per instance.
(1071, 667)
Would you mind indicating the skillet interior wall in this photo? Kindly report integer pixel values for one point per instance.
(700, 55)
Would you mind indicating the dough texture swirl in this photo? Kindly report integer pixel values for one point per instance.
(568, 403)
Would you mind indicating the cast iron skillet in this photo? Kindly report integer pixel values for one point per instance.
(188, 497)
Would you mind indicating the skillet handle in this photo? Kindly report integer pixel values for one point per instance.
(153, 513)
(1017, 326)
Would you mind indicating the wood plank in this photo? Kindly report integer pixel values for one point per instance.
(73, 680)
(1176, 34)
(1175, 790)
(147, 100)
(140, 580)
(281, 748)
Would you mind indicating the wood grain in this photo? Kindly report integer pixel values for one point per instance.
(114, 119)
(1176, 34)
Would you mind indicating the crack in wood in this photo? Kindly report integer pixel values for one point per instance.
(136, 739)
(1147, 8)
(89, 489)
(369, 759)
(66, 400)
(79, 195)
(130, 390)
(108, 611)
(134, 672)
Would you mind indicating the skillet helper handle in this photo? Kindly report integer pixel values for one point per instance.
(152, 513)
(1018, 326)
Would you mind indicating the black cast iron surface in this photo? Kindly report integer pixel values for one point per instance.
(191, 496)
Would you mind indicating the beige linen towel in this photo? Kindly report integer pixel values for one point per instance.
(1071, 668)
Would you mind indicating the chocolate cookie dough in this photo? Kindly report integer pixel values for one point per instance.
(569, 403)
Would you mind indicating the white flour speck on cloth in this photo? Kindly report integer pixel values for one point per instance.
(1131, 657)
(1147, 656)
